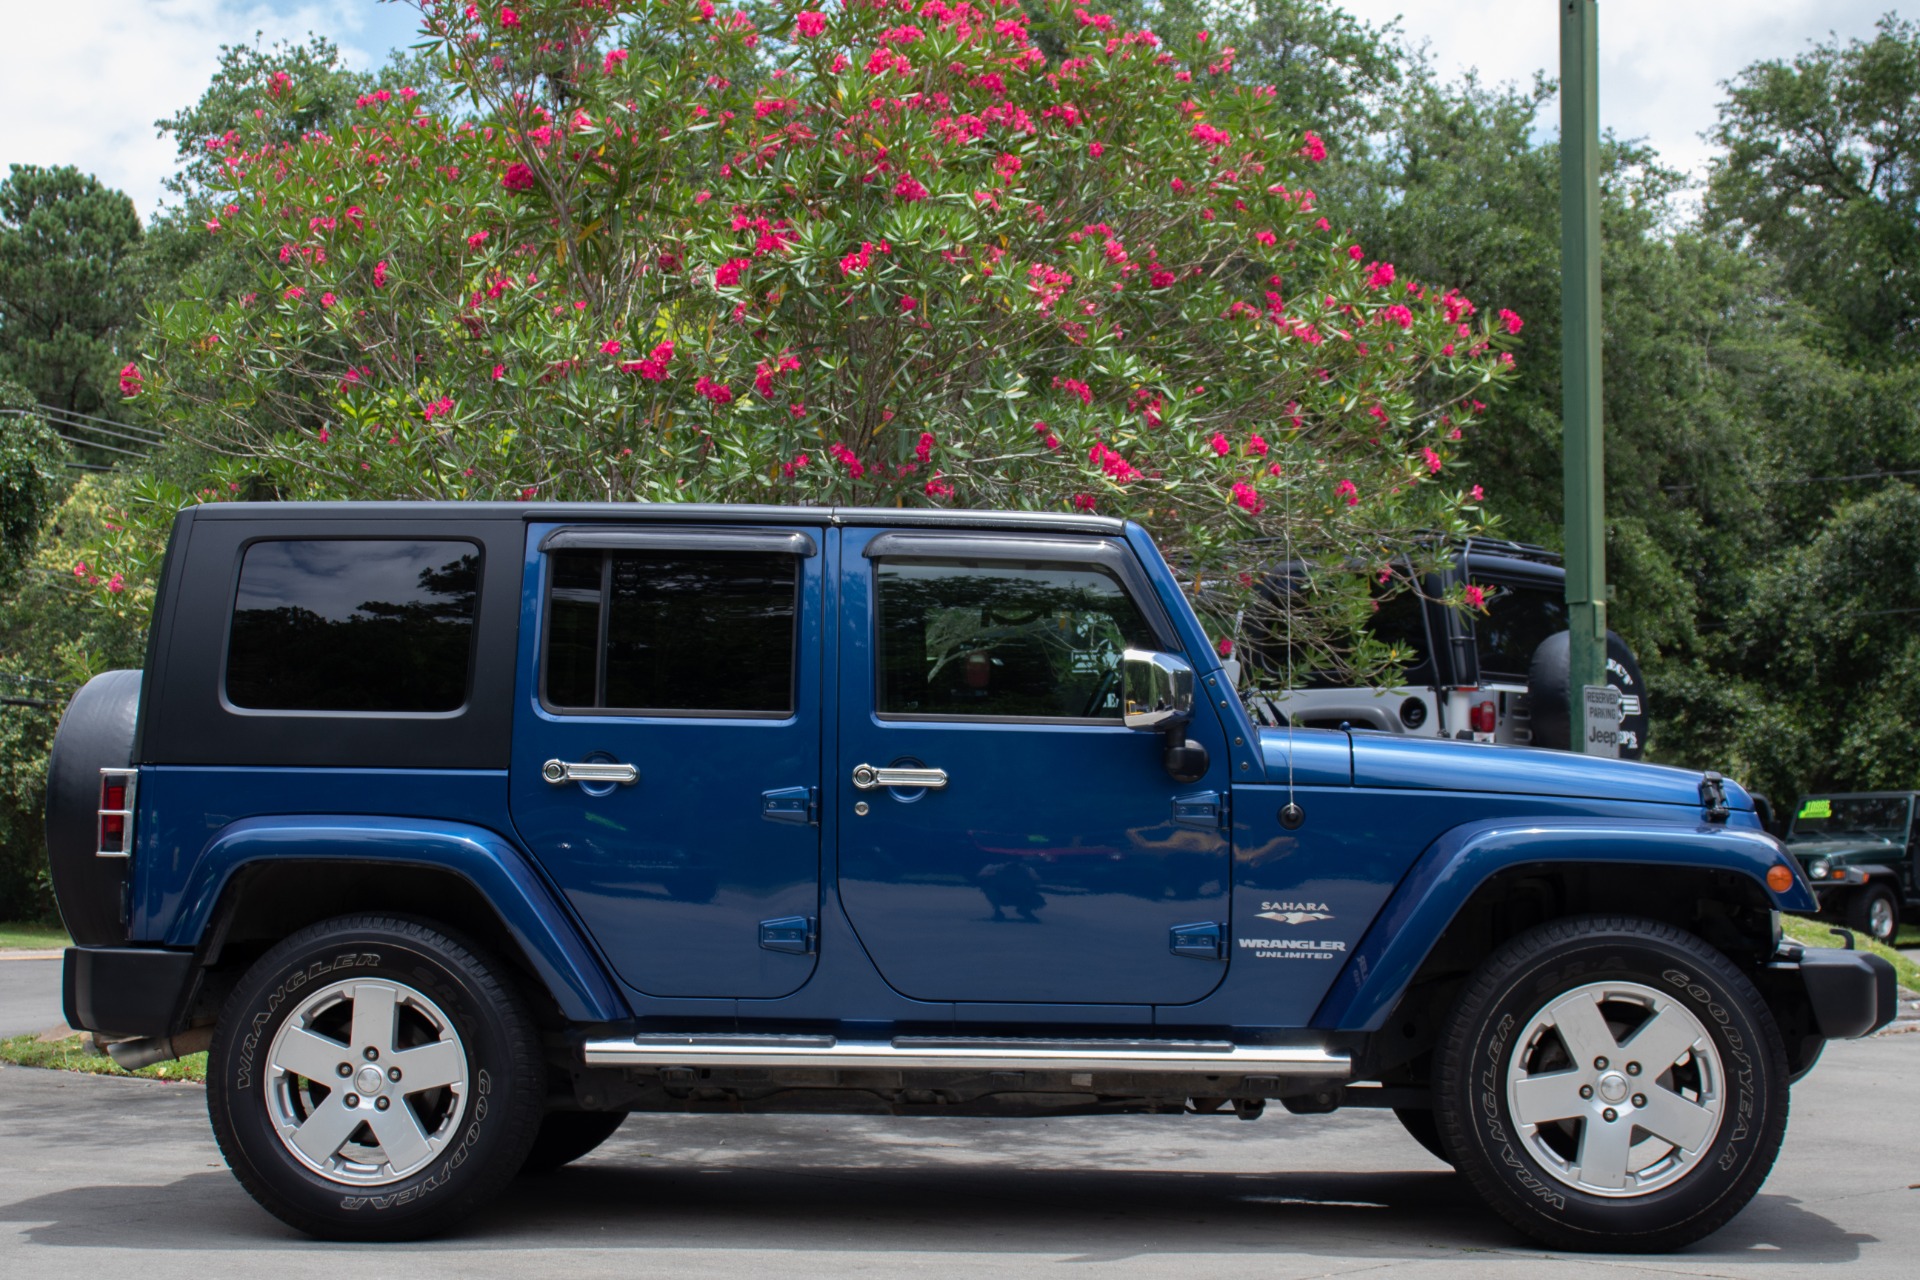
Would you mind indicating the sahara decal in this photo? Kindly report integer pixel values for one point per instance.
(1294, 912)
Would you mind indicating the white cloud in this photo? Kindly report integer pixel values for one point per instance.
(1662, 62)
(87, 78)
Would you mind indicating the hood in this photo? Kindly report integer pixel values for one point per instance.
(1443, 764)
(1856, 849)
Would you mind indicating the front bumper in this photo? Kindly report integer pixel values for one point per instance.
(128, 991)
(1851, 993)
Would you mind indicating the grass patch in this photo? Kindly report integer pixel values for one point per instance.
(1816, 933)
(70, 1055)
(15, 936)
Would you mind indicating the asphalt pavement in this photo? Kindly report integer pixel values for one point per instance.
(104, 1176)
(29, 993)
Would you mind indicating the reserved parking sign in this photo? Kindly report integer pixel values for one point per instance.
(1603, 721)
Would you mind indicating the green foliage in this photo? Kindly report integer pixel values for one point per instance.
(677, 253)
(309, 89)
(1829, 640)
(1820, 173)
(58, 629)
(68, 293)
(32, 478)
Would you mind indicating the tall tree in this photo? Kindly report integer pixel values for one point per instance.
(1822, 173)
(69, 295)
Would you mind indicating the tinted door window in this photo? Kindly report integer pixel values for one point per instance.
(672, 631)
(1022, 641)
(353, 625)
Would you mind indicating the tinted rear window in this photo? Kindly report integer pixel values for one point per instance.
(354, 625)
(1518, 618)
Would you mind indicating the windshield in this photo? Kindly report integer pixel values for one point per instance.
(1833, 817)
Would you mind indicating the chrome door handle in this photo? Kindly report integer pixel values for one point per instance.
(868, 778)
(561, 772)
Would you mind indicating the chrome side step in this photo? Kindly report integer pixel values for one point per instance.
(959, 1053)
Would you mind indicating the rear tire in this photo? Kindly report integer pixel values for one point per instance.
(1875, 912)
(372, 1078)
(1612, 1084)
(565, 1136)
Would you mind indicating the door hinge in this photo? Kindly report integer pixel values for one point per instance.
(1201, 941)
(798, 805)
(1208, 809)
(794, 934)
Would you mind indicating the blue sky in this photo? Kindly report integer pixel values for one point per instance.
(101, 71)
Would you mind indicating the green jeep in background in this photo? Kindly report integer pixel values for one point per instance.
(1859, 851)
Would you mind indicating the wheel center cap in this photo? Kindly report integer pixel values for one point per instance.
(1612, 1087)
(368, 1079)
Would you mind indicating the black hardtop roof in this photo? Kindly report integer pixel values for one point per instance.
(669, 512)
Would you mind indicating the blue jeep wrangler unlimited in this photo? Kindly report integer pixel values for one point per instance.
(459, 832)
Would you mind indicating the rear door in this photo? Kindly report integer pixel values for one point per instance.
(1056, 861)
(666, 751)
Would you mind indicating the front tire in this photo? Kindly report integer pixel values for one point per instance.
(372, 1078)
(1612, 1084)
(1875, 912)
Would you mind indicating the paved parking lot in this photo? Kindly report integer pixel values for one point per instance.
(112, 1176)
(29, 993)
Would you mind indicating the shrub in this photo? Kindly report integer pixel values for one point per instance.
(879, 254)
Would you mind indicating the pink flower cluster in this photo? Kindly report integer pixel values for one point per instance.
(847, 458)
(810, 23)
(1073, 386)
(862, 258)
(131, 380)
(718, 392)
(1248, 497)
(654, 367)
(1108, 460)
(1208, 136)
(765, 373)
(518, 177)
(438, 409)
(727, 274)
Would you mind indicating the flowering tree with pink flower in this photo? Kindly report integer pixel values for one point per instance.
(880, 252)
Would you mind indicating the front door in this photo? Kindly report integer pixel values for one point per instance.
(666, 754)
(1050, 866)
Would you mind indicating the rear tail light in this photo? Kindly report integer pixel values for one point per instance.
(116, 813)
(1482, 719)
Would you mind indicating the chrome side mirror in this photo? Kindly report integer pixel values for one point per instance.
(1157, 689)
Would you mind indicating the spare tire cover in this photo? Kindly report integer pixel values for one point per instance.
(96, 733)
(1547, 695)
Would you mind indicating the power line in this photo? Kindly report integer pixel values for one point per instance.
(155, 433)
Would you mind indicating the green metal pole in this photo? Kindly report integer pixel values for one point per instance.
(1583, 458)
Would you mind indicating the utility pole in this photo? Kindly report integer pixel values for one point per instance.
(1583, 457)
